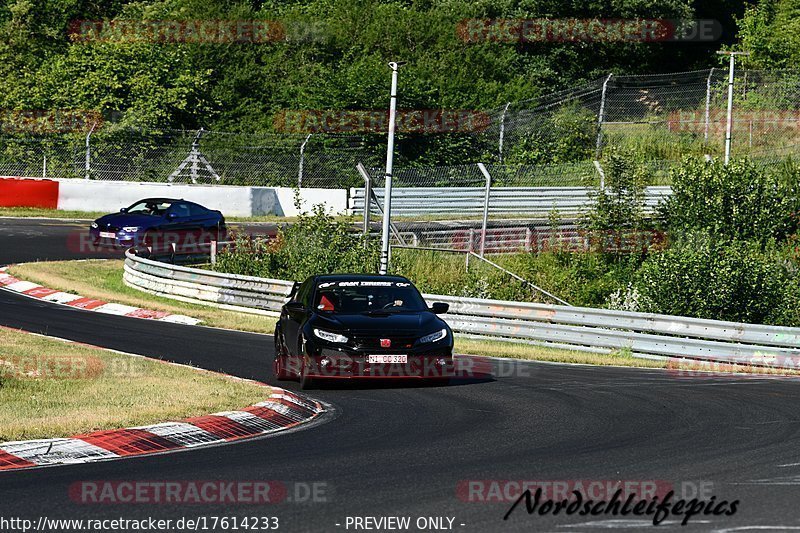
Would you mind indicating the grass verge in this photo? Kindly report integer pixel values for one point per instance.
(52, 388)
(518, 350)
(24, 212)
(102, 279)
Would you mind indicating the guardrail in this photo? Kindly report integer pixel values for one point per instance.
(195, 285)
(469, 201)
(576, 328)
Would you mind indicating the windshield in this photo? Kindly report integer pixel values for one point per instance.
(351, 297)
(149, 207)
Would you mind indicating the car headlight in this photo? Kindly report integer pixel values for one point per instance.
(329, 336)
(433, 337)
(94, 225)
(130, 229)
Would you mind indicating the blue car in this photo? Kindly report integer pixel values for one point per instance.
(157, 223)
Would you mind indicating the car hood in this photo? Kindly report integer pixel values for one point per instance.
(396, 323)
(125, 219)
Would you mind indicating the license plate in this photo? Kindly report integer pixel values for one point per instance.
(387, 359)
(108, 235)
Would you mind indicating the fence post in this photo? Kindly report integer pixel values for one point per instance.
(729, 125)
(88, 167)
(302, 157)
(214, 252)
(44, 166)
(601, 115)
(486, 193)
(600, 171)
(708, 104)
(367, 198)
(502, 132)
(194, 169)
(469, 247)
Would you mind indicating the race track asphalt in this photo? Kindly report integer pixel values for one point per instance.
(403, 450)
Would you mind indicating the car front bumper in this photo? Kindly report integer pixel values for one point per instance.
(327, 363)
(120, 240)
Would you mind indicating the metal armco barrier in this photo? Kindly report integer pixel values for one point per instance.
(469, 201)
(227, 291)
(579, 328)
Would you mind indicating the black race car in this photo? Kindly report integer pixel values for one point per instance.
(346, 326)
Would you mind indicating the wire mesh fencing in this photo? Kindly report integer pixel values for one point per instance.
(551, 141)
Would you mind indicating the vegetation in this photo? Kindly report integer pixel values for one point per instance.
(97, 59)
(770, 30)
(52, 388)
(733, 234)
(316, 242)
(724, 245)
(323, 54)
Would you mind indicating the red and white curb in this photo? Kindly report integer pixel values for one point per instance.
(283, 410)
(33, 290)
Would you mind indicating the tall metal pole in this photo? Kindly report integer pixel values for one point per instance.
(88, 167)
(486, 194)
(601, 115)
(300, 166)
(729, 125)
(708, 103)
(502, 133)
(387, 194)
(367, 198)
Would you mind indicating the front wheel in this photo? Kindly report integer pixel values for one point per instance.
(150, 239)
(306, 382)
(279, 364)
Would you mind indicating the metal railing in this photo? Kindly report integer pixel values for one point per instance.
(576, 328)
(227, 291)
(469, 201)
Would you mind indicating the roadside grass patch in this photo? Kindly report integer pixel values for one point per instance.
(53, 388)
(102, 279)
(32, 212)
(533, 352)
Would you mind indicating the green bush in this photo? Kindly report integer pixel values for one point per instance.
(707, 277)
(315, 244)
(739, 201)
(620, 205)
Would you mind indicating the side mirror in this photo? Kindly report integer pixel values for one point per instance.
(440, 308)
(295, 307)
(123, 210)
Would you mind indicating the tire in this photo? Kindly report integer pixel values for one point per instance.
(279, 368)
(279, 364)
(306, 382)
(149, 240)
